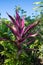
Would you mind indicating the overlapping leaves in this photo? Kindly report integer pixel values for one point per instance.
(20, 31)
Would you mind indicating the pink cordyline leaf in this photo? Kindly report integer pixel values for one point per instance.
(32, 35)
(22, 23)
(31, 26)
(29, 36)
(13, 20)
(22, 31)
(30, 42)
(5, 38)
(1, 39)
(16, 25)
(19, 20)
(17, 17)
(22, 26)
(13, 31)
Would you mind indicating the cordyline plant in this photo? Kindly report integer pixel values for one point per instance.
(20, 31)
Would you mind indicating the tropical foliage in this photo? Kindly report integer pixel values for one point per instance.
(21, 40)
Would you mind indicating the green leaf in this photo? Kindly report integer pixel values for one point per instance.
(38, 2)
(7, 60)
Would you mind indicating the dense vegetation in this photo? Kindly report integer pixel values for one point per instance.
(32, 53)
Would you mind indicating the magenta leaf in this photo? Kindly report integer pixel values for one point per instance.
(22, 26)
(17, 17)
(28, 43)
(29, 36)
(22, 23)
(13, 20)
(2, 39)
(13, 31)
(32, 35)
(31, 26)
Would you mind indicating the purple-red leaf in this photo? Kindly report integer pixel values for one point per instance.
(15, 32)
(13, 20)
(22, 26)
(22, 31)
(22, 23)
(32, 35)
(1, 39)
(18, 19)
(30, 42)
(31, 26)
(29, 36)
